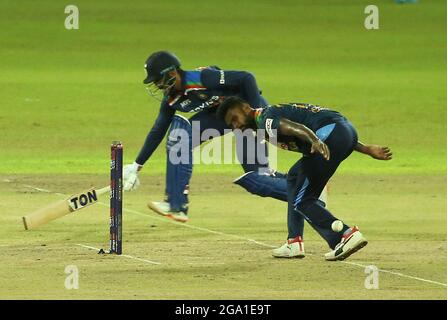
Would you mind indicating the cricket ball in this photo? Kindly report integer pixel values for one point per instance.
(337, 226)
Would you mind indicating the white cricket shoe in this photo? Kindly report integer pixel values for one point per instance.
(351, 242)
(293, 248)
(163, 208)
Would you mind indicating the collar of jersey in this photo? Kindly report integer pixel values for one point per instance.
(190, 81)
(258, 113)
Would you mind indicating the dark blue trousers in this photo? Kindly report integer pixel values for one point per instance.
(307, 178)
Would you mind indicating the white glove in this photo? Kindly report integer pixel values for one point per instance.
(130, 176)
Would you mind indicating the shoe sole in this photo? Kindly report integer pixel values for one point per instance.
(288, 257)
(154, 208)
(347, 254)
(362, 243)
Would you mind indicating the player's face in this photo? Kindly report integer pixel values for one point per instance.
(165, 85)
(238, 118)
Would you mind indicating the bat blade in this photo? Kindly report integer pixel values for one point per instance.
(63, 207)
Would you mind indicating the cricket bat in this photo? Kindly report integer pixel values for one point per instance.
(63, 207)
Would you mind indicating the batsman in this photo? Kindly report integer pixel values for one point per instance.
(199, 92)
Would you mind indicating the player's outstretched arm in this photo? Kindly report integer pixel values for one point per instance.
(290, 128)
(153, 139)
(375, 151)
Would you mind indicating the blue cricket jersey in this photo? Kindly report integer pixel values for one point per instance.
(312, 116)
(201, 89)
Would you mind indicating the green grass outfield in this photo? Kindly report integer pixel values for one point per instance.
(65, 95)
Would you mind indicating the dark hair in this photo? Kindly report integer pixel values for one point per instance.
(226, 105)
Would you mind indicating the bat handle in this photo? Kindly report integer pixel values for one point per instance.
(103, 190)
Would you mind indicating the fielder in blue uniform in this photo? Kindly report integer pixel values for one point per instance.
(325, 138)
(198, 92)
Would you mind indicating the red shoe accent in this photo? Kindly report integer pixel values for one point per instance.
(297, 239)
(353, 229)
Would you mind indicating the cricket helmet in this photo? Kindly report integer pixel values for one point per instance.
(158, 64)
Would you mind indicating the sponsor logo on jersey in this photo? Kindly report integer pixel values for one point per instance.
(222, 77)
(311, 107)
(185, 103)
(268, 127)
(314, 109)
(214, 100)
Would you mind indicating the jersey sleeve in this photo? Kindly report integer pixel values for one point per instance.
(244, 81)
(157, 133)
(270, 121)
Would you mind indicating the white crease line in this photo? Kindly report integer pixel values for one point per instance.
(194, 227)
(398, 274)
(38, 189)
(266, 245)
(257, 242)
(122, 255)
(205, 263)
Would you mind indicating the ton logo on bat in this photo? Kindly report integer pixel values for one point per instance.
(82, 200)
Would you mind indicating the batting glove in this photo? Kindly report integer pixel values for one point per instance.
(130, 176)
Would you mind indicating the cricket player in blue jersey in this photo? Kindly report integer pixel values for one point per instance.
(326, 138)
(198, 92)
